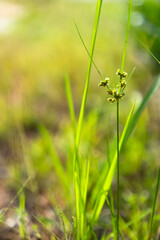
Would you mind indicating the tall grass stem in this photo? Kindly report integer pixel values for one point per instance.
(154, 204)
(117, 226)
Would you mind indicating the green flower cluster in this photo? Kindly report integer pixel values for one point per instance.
(118, 92)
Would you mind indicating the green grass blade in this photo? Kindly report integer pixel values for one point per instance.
(97, 17)
(111, 207)
(70, 103)
(140, 109)
(84, 187)
(76, 164)
(21, 213)
(112, 212)
(147, 49)
(80, 36)
(129, 77)
(121, 76)
(154, 204)
(103, 173)
(108, 177)
(127, 34)
(58, 167)
(125, 225)
(42, 224)
(131, 122)
(136, 219)
(86, 182)
(14, 198)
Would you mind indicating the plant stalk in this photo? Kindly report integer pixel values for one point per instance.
(117, 223)
(154, 204)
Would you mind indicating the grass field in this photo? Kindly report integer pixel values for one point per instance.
(60, 136)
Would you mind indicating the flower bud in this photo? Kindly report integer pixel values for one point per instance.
(104, 82)
(124, 74)
(111, 100)
(118, 72)
(110, 92)
(123, 83)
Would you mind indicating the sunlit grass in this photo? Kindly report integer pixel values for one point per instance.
(68, 159)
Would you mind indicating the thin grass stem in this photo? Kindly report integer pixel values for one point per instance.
(113, 215)
(80, 36)
(154, 204)
(126, 42)
(117, 223)
(147, 49)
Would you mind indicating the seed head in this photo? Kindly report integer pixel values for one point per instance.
(124, 74)
(110, 92)
(104, 82)
(111, 100)
(123, 83)
(118, 72)
(117, 92)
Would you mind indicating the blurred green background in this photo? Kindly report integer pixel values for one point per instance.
(38, 44)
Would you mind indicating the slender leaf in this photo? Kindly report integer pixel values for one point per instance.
(140, 109)
(109, 175)
(14, 198)
(127, 34)
(76, 163)
(70, 103)
(154, 204)
(81, 38)
(130, 125)
(58, 167)
(147, 49)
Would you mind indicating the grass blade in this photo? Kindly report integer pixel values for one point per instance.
(70, 103)
(80, 36)
(79, 128)
(42, 224)
(111, 207)
(58, 167)
(147, 49)
(108, 176)
(125, 226)
(140, 109)
(14, 198)
(127, 34)
(76, 164)
(130, 125)
(121, 76)
(154, 204)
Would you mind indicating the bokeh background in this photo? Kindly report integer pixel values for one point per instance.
(39, 43)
